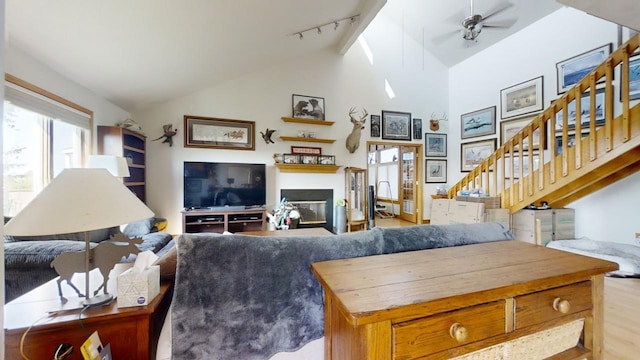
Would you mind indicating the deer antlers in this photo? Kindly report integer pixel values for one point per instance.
(353, 111)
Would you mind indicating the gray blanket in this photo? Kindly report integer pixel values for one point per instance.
(245, 297)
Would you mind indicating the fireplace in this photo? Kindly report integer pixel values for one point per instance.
(315, 206)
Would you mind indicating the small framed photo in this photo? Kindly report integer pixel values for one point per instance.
(509, 128)
(478, 123)
(474, 153)
(396, 125)
(309, 159)
(435, 144)
(522, 98)
(585, 117)
(417, 129)
(375, 126)
(326, 160)
(306, 150)
(291, 158)
(205, 132)
(435, 171)
(308, 107)
(572, 70)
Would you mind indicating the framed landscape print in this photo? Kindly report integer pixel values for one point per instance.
(205, 132)
(572, 70)
(435, 171)
(396, 125)
(509, 128)
(585, 116)
(516, 165)
(478, 123)
(435, 144)
(474, 153)
(522, 98)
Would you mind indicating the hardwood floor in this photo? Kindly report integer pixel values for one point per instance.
(621, 310)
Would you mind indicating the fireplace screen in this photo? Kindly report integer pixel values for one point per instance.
(311, 212)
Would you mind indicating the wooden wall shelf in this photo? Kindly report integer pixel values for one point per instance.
(304, 168)
(305, 139)
(307, 121)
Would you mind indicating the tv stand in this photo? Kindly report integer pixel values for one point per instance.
(219, 220)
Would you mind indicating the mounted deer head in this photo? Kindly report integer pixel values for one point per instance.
(353, 140)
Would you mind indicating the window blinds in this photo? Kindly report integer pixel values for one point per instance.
(41, 104)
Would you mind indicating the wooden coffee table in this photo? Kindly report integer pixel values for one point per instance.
(132, 332)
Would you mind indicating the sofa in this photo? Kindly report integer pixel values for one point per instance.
(28, 259)
(254, 297)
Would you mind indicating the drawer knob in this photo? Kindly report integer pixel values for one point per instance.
(561, 305)
(458, 332)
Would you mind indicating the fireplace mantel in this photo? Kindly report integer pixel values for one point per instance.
(306, 168)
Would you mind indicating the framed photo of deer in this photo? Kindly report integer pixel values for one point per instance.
(205, 132)
(396, 125)
(308, 107)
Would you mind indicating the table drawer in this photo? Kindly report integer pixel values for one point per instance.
(539, 307)
(429, 335)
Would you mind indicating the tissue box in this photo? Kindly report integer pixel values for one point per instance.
(138, 288)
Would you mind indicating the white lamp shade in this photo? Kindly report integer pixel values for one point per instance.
(78, 200)
(117, 165)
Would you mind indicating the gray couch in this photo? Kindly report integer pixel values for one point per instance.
(28, 259)
(250, 297)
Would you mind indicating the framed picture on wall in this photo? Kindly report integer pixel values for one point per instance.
(396, 125)
(572, 70)
(585, 116)
(478, 123)
(474, 153)
(509, 128)
(435, 171)
(435, 144)
(213, 133)
(417, 128)
(522, 98)
(308, 107)
(375, 125)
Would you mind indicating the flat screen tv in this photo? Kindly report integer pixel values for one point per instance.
(224, 185)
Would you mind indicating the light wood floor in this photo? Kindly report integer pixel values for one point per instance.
(621, 310)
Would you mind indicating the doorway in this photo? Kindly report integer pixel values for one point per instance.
(395, 172)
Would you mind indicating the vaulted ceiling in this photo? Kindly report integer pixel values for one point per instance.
(136, 53)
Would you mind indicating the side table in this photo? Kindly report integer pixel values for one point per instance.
(132, 331)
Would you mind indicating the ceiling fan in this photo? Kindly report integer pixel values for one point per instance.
(475, 23)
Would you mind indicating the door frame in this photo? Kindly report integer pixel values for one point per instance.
(419, 173)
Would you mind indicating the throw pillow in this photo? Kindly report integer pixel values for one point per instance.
(139, 228)
(167, 263)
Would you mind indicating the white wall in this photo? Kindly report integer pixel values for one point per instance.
(609, 214)
(19, 64)
(265, 96)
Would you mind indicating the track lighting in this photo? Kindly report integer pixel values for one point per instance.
(318, 28)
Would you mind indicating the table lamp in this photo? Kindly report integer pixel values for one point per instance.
(79, 200)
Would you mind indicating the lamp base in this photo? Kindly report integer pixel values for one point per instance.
(98, 300)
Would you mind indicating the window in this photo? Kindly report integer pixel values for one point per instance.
(41, 137)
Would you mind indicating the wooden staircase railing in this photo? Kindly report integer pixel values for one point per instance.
(606, 146)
